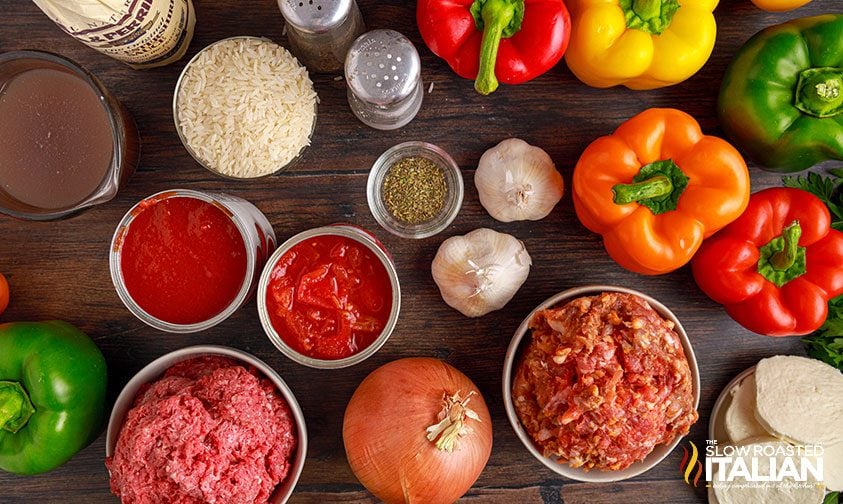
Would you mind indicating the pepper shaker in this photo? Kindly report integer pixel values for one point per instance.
(383, 74)
(321, 31)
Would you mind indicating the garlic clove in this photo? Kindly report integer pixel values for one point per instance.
(481, 271)
(517, 181)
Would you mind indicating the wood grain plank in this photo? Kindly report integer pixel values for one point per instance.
(486, 495)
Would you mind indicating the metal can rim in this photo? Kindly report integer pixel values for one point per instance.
(359, 235)
(249, 241)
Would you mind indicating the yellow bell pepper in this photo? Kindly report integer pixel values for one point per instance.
(779, 5)
(642, 44)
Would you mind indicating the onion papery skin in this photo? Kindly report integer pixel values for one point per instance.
(384, 432)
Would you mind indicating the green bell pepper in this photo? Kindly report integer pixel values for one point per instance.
(781, 101)
(52, 394)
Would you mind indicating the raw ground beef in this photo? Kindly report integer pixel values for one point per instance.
(210, 430)
(603, 381)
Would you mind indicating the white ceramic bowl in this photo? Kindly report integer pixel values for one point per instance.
(519, 341)
(716, 423)
(155, 369)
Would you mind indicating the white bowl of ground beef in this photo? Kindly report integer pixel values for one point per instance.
(600, 383)
(206, 424)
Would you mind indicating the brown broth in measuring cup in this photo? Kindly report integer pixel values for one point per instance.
(64, 144)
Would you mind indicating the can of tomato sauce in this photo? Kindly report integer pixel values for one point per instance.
(329, 297)
(183, 260)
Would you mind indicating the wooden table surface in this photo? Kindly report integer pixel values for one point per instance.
(59, 270)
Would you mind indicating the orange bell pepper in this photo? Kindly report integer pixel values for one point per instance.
(657, 187)
(779, 5)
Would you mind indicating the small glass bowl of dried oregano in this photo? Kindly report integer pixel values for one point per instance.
(415, 190)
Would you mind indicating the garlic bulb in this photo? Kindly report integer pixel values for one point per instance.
(481, 271)
(517, 181)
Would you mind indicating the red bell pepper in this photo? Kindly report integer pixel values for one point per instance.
(508, 40)
(776, 266)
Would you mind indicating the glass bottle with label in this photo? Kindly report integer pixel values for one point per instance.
(140, 33)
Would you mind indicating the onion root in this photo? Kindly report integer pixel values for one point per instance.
(452, 422)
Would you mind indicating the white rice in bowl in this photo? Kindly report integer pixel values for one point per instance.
(245, 107)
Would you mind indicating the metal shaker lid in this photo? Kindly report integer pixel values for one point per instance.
(315, 16)
(382, 67)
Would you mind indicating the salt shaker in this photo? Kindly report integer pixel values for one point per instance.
(321, 31)
(383, 74)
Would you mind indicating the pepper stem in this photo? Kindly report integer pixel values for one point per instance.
(452, 422)
(649, 16)
(654, 187)
(15, 406)
(819, 92)
(497, 19)
(657, 186)
(783, 259)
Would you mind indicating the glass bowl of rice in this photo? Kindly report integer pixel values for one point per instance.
(244, 107)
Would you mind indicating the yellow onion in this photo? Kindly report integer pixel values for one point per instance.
(417, 431)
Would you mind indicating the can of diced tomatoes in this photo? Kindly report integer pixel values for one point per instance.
(329, 297)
